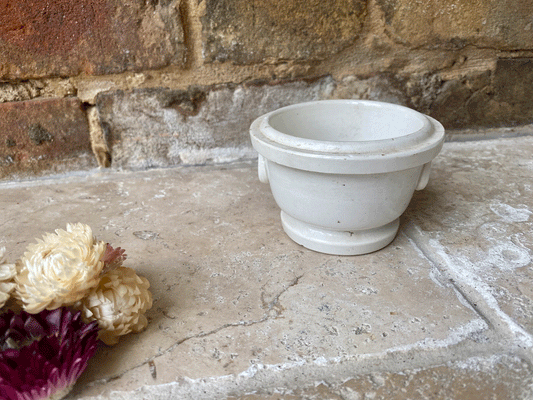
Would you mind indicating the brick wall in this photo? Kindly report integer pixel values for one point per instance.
(144, 83)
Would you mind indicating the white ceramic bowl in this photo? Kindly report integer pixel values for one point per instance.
(343, 171)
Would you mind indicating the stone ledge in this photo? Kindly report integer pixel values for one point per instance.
(240, 309)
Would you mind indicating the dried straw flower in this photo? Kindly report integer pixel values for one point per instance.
(118, 303)
(60, 269)
(7, 273)
(42, 355)
(113, 258)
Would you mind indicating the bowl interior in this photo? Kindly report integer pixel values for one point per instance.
(337, 121)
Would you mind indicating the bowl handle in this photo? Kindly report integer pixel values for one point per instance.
(262, 169)
(424, 176)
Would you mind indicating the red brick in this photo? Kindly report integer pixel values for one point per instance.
(64, 37)
(43, 136)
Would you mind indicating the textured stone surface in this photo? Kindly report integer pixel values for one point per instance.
(454, 24)
(240, 311)
(252, 31)
(510, 97)
(230, 289)
(479, 222)
(18, 92)
(162, 127)
(43, 136)
(502, 96)
(498, 378)
(61, 38)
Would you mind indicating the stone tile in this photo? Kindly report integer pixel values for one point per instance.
(498, 377)
(163, 127)
(455, 24)
(231, 291)
(43, 136)
(250, 31)
(476, 215)
(62, 38)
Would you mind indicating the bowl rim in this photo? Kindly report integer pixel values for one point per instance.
(363, 157)
(359, 146)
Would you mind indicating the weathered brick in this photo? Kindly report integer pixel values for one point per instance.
(63, 37)
(505, 25)
(253, 31)
(43, 136)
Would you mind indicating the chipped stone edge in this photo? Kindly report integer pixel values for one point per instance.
(456, 349)
(478, 134)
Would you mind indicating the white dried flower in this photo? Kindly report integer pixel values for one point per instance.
(7, 273)
(60, 269)
(118, 303)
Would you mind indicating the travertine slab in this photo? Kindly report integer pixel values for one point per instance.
(476, 218)
(239, 308)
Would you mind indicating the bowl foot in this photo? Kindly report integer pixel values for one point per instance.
(345, 243)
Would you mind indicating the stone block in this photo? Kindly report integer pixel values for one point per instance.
(253, 31)
(452, 24)
(497, 97)
(39, 136)
(161, 127)
(503, 97)
(512, 102)
(62, 38)
(456, 102)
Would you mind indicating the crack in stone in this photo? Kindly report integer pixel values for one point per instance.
(272, 305)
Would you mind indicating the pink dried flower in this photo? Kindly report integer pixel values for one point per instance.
(43, 354)
(113, 258)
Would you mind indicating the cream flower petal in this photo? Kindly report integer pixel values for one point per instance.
(60, 269)
(118, 304)
(7, 273)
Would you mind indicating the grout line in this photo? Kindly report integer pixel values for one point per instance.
(475, 291)
(99, 144)
(191, 12)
